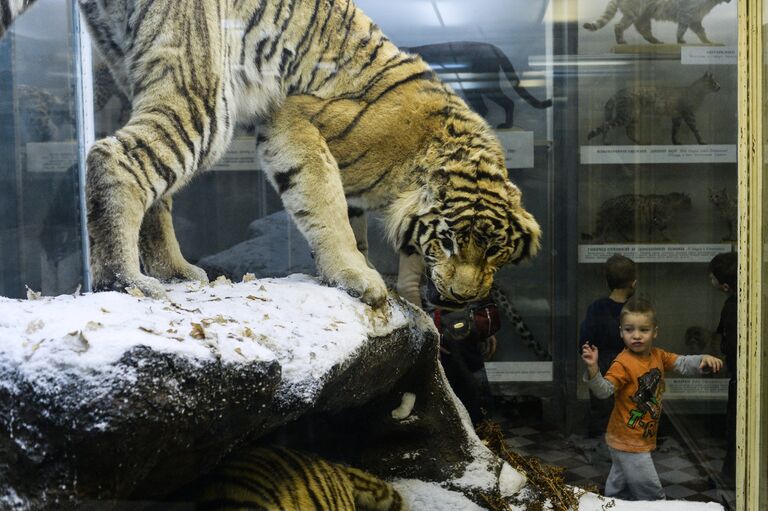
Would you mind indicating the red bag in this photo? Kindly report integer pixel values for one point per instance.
(476, 322)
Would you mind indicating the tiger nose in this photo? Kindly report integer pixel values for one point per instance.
(469, 282)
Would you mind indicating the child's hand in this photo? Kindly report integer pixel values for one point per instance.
(714, 364)
(589, 354)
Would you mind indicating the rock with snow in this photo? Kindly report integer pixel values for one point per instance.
(277, 248)
(114, 396)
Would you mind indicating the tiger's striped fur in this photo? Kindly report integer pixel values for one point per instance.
(281, 479)
(349, 120)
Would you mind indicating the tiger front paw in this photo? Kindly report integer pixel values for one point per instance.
(363, 283)
(136, 285)
(186, 272)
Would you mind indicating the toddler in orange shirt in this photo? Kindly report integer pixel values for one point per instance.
(636, 379)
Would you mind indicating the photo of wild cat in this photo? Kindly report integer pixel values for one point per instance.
(686, 13)
(679, 103)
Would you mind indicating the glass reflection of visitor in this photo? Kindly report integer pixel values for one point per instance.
(723, 270)
(600, 328)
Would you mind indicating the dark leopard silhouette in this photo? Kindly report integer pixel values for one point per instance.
(481, 59)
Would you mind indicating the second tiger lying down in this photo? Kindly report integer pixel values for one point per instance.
(281, 479)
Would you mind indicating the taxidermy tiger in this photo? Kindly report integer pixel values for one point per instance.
(348, 119)
(282, 479)
(484, 59)
(686, 13)
(628, 105)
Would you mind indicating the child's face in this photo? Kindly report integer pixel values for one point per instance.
(717, 285)
(638, 332)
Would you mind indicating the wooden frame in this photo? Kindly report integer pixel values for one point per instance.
(751, 435)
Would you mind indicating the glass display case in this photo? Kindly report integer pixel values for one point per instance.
(41, 238)
(622, 138)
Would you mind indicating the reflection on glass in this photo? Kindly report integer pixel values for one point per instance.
(40, 241)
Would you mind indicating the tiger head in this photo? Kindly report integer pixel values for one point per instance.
(464, 238)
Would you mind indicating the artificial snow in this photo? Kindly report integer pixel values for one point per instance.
(592, 502)
(427, 496)
(423, 496)
(306, 327)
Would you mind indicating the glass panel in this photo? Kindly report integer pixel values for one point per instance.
(619, 143)
(40, 236)
(658, 184)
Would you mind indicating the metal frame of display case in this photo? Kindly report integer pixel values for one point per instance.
(83, 69)
(752, 408)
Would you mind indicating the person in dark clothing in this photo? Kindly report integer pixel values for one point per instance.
(466, 342)
(600, 328)
(723, 271)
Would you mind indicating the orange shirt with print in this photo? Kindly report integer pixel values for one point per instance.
(639, 383)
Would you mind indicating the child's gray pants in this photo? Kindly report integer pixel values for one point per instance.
(633, 477)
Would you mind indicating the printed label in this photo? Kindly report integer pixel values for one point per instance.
(518, 371)
(518, 148)
(705, 55)
(51, 156)
(241, 155)
(629, 154)
(672, 253)
(696, 388)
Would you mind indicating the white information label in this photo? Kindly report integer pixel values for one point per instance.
(518, 148)
(628, 154)
(647, 253)
(696, 388)
(50, 156)
(705, 55)
(518, 371)
(241, 155)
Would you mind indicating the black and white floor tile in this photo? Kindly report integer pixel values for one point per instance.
(686, 473)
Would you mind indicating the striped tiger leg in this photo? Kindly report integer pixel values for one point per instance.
(128, 174)
(160, 253)
(358, 219)
(118, 194)
(306, 175)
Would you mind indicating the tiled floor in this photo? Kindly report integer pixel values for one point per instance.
(686, 473)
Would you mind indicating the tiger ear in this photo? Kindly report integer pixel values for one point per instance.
(522, 221)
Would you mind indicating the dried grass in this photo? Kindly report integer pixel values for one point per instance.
(545, 481)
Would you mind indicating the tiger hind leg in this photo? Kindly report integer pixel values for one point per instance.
(160, 253)
(130, 176)
(118, 195)
(302, 169)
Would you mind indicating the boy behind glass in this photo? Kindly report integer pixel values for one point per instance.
(636, 379)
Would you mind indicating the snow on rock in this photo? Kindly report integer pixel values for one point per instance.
(305, 327)
(168, 387)
(592, 502)
(424, 496)
(427, 496)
